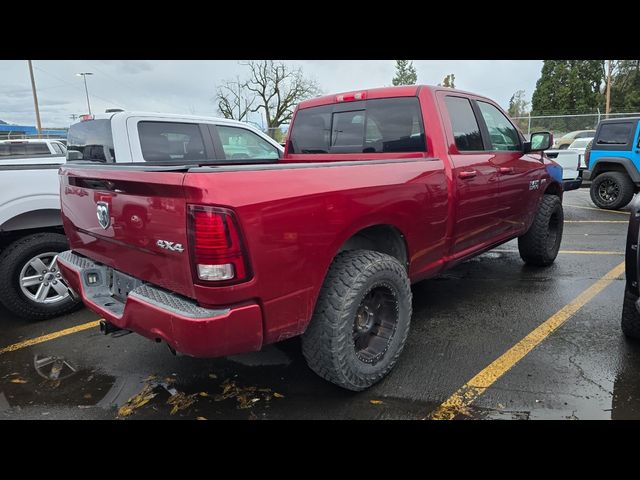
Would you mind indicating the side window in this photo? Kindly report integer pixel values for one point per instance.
(615, 133)
(57, 148)
(240, 143)
(503, 135)
(169, 141)
(466, 131)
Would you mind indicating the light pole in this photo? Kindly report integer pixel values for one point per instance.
(86, 90)
(35, 99)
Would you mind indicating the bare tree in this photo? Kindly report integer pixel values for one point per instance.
(277, 89)
(233, 101)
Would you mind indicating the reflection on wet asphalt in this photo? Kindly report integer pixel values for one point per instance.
(463, 320)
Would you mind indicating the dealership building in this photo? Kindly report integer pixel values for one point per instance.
(8, 131)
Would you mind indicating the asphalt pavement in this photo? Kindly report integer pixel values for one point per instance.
(490, 339)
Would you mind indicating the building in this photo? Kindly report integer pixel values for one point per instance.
(22, 131)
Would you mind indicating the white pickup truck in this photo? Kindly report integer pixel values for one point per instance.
(571, 162)
(31, 232)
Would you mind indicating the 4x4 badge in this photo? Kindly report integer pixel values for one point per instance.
(102, 211)
(171, 246)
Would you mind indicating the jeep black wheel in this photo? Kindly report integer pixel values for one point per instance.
(361, 320)
(611, 190)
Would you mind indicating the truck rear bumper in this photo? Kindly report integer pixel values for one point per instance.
(158, 314)
(571, 184)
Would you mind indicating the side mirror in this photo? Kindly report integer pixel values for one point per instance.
(539, 141)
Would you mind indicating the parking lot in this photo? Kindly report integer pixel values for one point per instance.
(490, 339)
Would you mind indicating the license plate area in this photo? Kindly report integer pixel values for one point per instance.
(122, 284)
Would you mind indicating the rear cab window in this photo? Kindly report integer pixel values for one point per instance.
(24, 149)
(386, 125)
(91, 140)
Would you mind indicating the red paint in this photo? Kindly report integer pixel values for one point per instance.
(294, 221)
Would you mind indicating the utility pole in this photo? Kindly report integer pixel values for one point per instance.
(86, 90)
(608, 104)
(35, 99)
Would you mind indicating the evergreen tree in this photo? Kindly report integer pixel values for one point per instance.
(405, 73)
(625, 87)
(518, 107)
(568, 87)
(449, 81)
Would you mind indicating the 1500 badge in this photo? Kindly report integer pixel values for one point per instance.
(171, 246)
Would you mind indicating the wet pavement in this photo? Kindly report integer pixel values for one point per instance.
(463, 320)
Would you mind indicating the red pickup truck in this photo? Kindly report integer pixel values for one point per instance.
(377, 189)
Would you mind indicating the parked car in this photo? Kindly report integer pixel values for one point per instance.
(570, 161)
(567, 139)
(613, 160)
(31, 234)
(161, 137)
(376, 189)
(631, 302)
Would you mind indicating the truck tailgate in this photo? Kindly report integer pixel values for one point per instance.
(143, 231)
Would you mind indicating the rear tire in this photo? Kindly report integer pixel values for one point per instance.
(540, 245)
(361, 320)
(630, 317)
(15, 270)
(611, 190)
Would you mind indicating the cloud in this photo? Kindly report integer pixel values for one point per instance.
(187, 86)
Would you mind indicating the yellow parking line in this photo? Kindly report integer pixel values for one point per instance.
(570, 252)
(593, 208)
(50, 336)
(596, 221)
(467, 394)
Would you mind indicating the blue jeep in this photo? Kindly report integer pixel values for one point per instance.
(613, 161)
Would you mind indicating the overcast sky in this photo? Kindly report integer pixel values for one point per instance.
(187, 86)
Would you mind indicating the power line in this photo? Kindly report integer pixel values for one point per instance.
(77, 86)
(132, 88)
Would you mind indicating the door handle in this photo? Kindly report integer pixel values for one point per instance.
(467, 174)
(506, 170)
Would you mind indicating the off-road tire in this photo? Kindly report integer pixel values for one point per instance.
(625, 186)
(328, 345)
(540, 245)
(12, 259)
(630, 317)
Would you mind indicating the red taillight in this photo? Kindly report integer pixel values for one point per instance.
(350, 97)
(216, 245)
(84, 118)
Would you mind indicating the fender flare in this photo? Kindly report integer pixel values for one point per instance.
(626, 163)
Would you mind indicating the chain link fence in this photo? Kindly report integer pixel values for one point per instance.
(562, 124)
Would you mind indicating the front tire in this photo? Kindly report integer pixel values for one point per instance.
(30, 282)
(540, 245)
(611, 190)
(630, 317)
(361, 320)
